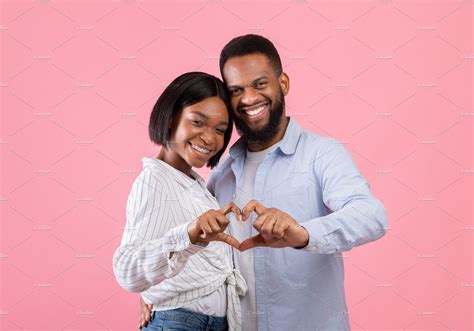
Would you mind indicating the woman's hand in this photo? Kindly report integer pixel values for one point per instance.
(145, 313)
(211, 225)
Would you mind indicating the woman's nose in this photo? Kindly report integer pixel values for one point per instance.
(207, 137)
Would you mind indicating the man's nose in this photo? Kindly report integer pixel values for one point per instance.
(249, 96)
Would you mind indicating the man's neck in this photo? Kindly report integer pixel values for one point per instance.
(258, 146)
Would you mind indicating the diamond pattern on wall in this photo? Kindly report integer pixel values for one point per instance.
(392, 79)
(422, 123)
(384, 28)
(427, 216)
(385, 86)
(96, 57)
(38, 28)
(152, 56)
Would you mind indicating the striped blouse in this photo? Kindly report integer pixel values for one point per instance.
(156, 256)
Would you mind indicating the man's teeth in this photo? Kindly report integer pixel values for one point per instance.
(199, 149)
(255, 111)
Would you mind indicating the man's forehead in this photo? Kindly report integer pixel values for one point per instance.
(245, 69)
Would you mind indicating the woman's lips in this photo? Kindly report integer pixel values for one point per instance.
(200, 149)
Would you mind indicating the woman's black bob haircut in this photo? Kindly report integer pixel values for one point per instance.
(186, 90)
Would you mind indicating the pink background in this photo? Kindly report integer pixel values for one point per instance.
(391, 79)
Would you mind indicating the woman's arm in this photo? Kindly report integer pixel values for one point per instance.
(150, 251)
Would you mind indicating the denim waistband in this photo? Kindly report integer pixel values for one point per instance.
(202, 321)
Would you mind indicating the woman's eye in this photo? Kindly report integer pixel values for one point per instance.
(220, 131)
(196, 122)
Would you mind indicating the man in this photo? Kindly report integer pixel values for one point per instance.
(304, 198)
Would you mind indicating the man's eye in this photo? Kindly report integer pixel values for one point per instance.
(234, 92)
(261, 84)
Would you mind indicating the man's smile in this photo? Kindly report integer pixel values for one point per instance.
(255, 110)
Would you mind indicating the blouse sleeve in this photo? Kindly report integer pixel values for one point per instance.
(151, 250)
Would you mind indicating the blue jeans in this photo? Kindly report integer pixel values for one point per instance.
(185, 320)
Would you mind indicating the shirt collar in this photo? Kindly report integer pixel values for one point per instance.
(173, 173)
(287, 145)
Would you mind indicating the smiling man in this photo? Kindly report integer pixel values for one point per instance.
(305, 200)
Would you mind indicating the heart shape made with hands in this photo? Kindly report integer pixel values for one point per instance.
(275, 228)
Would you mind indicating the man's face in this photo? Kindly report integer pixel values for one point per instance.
(257, 96)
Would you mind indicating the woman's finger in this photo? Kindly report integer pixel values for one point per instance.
(232, 207)
(228, 239)
(214, 226)
(223, 222)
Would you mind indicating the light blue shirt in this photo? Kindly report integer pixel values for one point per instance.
(313, 179)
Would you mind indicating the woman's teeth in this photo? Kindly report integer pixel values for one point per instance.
(255, 111)
(199, 149)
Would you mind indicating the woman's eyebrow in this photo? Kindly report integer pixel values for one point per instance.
(196, 112)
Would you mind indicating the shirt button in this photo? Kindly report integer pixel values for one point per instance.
(312, 249)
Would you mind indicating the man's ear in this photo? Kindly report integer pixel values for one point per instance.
(284, 81)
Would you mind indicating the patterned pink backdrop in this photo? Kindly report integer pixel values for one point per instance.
(391, 79)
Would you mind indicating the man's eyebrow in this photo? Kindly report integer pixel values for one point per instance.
(196, 112)
(253, 82)
(259, 78)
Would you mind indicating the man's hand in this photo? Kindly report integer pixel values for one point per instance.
(145, 314)
(276, 228)
(211, 225)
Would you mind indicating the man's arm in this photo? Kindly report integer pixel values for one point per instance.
(357, 216)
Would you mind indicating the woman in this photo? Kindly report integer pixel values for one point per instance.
(174, 249)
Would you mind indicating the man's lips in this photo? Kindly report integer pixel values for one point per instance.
(255, 110)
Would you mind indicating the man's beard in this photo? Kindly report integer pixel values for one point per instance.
(270, 130)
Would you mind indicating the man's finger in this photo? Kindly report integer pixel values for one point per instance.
(267, 227)
(228, 239)
(260, 221)
(145, 315)
(148, 314)
(255, 241)
(279, 229)
(252, 206)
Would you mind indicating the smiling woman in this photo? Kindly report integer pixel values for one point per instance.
(174, 247)
(197, 135)
(198, 93)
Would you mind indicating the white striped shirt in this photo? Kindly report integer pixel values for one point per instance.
(156, 256)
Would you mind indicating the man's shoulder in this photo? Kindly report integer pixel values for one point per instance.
(315, 142)
(223, 165)
(220, 171)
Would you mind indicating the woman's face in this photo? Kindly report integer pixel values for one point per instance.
(197, 134)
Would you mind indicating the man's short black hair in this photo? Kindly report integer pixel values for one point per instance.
(186, 90)
(251, 44)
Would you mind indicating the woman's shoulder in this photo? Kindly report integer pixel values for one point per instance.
(154, 173)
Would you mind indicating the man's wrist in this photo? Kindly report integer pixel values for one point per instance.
(306, 238)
